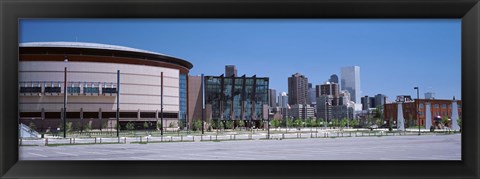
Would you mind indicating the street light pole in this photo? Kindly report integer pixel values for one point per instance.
(326, 116)
(418, 103)
(161, 104)
(118, 103)
(203, 102)
(65, 103)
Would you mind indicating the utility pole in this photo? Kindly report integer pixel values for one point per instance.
(118, 103)
(161, 104)
(65, 91)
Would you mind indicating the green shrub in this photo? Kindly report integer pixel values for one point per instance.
(130, 126)
(197, 125)
(275, 123)
(69, 126)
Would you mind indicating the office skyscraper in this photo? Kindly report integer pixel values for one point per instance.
(282, 100)
(312, 98)
(429, 95)
(230, 70)
(297, 89)
(350, 81)
(272, 97)
(333, 79)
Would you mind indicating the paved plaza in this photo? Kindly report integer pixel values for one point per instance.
(425, 147)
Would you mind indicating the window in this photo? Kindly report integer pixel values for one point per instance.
(30, 89)
(459, 105)
(109, 90)
(168, 115)
(53, 115)
(73, 115)
(53, 89)
(90, 115)
(109, 114)
(75, 90)
(147, 115)
(436, 105)
(444, 106)
(128, 115)
(90, 88)
(30, 114)
(421, 105)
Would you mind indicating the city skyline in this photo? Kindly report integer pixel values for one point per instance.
(392, 54)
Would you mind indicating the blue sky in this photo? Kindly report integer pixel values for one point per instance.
(393, 55)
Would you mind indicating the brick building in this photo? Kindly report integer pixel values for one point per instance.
(438, 107)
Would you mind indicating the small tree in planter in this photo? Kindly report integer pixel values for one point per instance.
(79, 126)
(445, 121)
(241, 123)
(275, 123)
(219, 124)
(88, 127)
(130, 126)
(343, 123)
(320, 122)
(289, 122)
(197, 125)
(229, 124)
(297, 123)
(354, 123)
(69, 127)
(180, 124)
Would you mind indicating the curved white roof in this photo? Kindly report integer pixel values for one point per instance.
(86, 45)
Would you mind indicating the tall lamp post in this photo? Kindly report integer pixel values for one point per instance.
(326, 115)
(65, 91)
(161, 104)
(418, 103)
(118, 104)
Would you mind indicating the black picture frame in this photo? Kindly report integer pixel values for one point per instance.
(12, 11)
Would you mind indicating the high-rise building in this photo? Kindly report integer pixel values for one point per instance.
(311, 95)
(324, 107)
(368, 102)
(333, 79)
(299, 111)
(282, 100)
(373, 102)
(272, 98)
(329, 89)
(350, 81)
(429, 95)
(230, 70)
(380, 100)
(297, 89)
(283, 103)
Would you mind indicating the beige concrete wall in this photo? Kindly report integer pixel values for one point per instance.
(139, 86)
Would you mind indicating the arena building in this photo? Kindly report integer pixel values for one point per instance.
(91, 71)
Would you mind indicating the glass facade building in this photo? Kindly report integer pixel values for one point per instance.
(236, 98)
(350, 81)
(182, 115)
